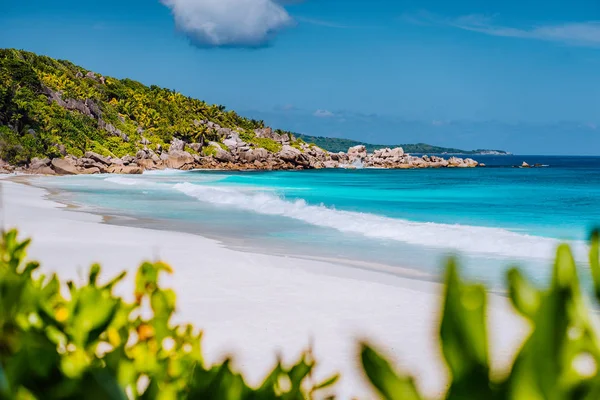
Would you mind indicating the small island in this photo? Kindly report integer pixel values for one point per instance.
(59, 118)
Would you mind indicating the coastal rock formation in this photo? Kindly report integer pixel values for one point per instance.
(220, 154)
(357, 153)
(281, 151)
(176, 158)
(293, 155)
(125, 169)
(253, 155)
(39, 166)
(64, 166)
(236, 154)
(91, 163)
(115, 126)
(97, 157)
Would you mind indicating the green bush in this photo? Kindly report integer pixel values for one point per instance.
(68, 341)
(223, 146)
(209, 151)
(267, 144)
(559, 360)
(297, 144)
(86, 342)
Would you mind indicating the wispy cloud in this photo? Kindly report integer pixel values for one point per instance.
(584, 33)
(320, 22)
(331, 24)
(323, 114)
(229, 23)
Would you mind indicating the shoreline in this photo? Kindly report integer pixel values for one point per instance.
(257, 305)
(428, 282)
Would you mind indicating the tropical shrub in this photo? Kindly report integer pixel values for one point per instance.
(266, 143)
(560, 359)
(68, 341)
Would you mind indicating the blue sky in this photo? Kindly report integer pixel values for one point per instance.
(518, 75)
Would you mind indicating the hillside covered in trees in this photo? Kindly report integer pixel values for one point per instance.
(52, 108)
(91, 112)
(341, 144)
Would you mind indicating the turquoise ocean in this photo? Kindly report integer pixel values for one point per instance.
(402, 222)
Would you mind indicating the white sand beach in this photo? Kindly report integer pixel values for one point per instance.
(256, 306)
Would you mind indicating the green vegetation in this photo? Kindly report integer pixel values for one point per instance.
(223, 146)
(559, 360)
(266, 143)
(68, 341)
(90, 343)
(209, 151)
(109, 116)
(32, 126)
(336, 145)
(297, 144)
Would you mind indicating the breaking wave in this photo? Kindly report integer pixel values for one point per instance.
(462, 238)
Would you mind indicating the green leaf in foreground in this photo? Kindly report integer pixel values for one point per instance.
(463, 333)
(91, 343)
(385, 379)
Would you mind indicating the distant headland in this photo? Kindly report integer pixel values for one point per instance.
(59, 118)
(341, 144)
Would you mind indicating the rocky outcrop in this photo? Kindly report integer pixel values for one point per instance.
(176, 159)
(87, 107)
(233, 141)
(233, 153)
(294, 156)
(64, 166)
(283, 138)
(176, 145)
(125, 169)
(97, 157)
(110, 128)
(357, 153)
(90, 163)
(40, 166)
(251, 155)
(220, 154)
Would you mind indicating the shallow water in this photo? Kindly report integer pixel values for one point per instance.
(413, 219)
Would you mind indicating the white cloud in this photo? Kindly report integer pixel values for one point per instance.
(323, 114)
(585, 33)
(229, 23)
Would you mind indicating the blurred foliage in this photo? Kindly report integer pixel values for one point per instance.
(558, 360)
(69, 341)
(31, 126)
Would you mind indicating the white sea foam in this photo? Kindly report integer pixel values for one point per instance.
(124, 181)
(461, 238)
(159, 180)
(454, 238)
